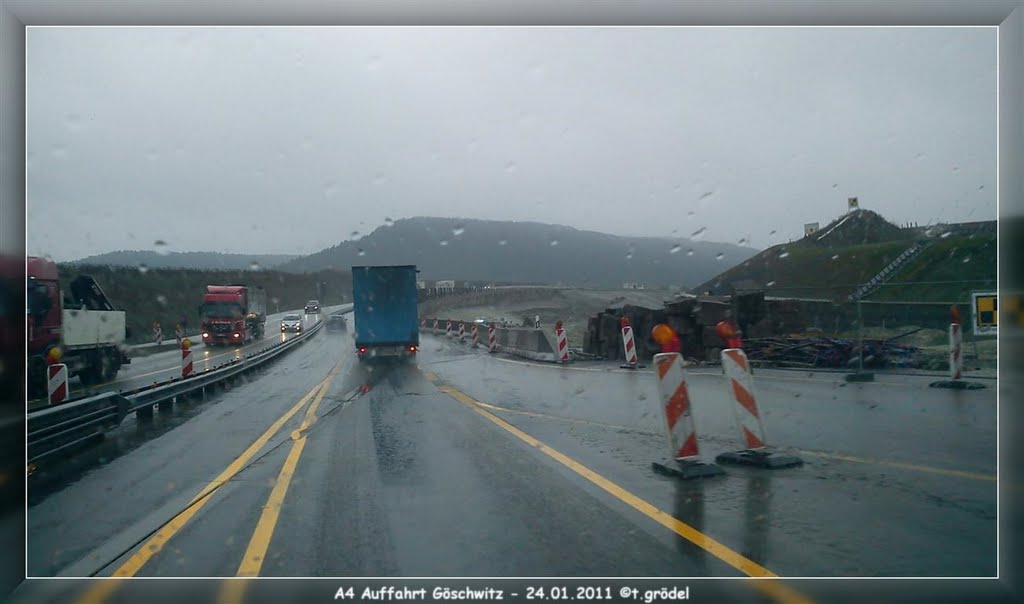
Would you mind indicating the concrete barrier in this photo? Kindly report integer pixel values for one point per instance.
(536, 344)
(526, 342)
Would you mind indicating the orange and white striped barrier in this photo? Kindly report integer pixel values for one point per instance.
(462, 331)
(475, 335)
(57, 383)
(563, 343)
(956, 359)
(629, 345)
(740, 383)
(423, 324)
(186, 359)
(448, 328)
(684, 454)
(741, 386)
(492, 338)
(435, 327)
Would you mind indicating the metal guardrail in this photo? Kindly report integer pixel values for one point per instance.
(58, 429)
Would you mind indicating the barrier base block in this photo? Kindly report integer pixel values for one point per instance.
(957, 385)
(760, 459)
(686, 469)
(628, 366)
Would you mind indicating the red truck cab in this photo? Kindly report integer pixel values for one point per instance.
(232, 314)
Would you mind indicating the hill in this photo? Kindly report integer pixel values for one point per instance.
(173, 295)
(196, 260)
(528, 252)
(850, 250)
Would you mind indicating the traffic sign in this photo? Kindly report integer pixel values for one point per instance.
(984, 312)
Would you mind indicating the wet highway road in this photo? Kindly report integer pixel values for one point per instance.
(161, 366)
(470, 465)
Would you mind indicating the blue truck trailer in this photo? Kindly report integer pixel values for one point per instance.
(384, 300)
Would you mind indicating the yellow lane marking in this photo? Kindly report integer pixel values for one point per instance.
(256, 552)
(730, 557)
(100, 591)
(559, 418)
(430, 376)
(901, 465)
(821, 454)
(165, 533)
(231, 591)
(778, 591)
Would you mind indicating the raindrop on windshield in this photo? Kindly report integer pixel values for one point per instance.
(458, 230)
(444, 242)
(719, 256)
(675, 249)
(361, 252)
(772, 233)
(143, 269)
(689, 252)
(690, 214)
(161, 247)
(835, 257)
(967, 259)
(503, 242)
(784, 255)
(389, 222)
(554, 242)
(981, 187)
(255, 266)
(946, 234)
(354, 234)
(162, 299)
(835, 185)
(743, 240)
(769, 284)
(699, 233)
(706, 194)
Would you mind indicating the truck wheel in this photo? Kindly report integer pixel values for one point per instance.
(89, 376)
(111, 364)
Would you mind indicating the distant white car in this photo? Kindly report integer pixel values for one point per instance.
(291, 323)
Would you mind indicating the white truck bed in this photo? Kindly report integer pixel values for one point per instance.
(92, 328)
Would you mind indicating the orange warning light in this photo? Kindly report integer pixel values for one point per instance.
(53, 356)
(663, 333)
(186, 344)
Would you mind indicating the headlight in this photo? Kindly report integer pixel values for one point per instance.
(236, 335)
(206, 334)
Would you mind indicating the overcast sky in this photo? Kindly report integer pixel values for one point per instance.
(285, 140)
